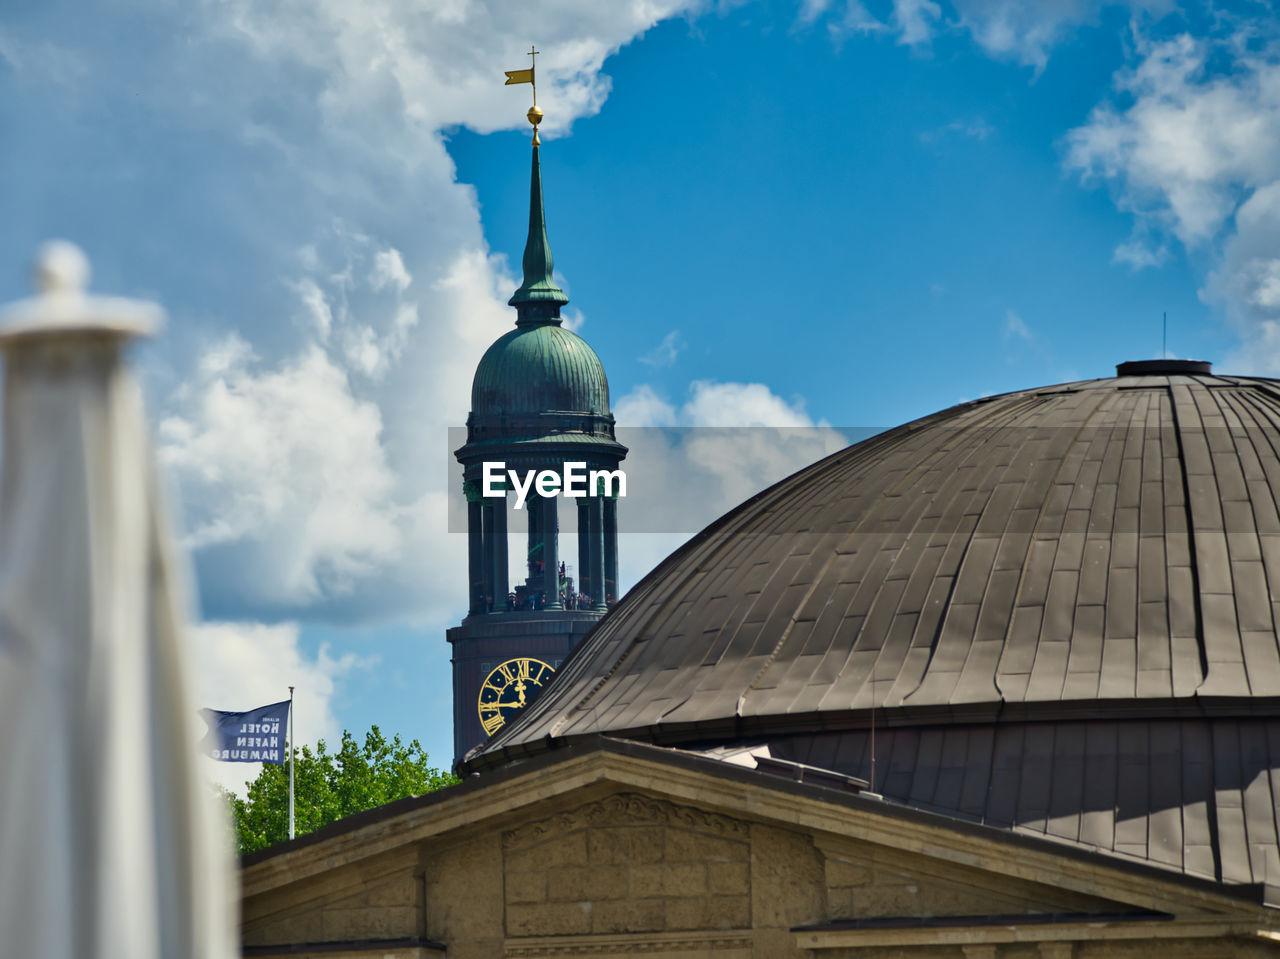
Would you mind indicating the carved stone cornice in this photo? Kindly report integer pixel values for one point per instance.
(638, 944)
(626, 809)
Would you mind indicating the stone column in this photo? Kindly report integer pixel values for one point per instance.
(533, 553)
(551, 552)
(499, 575)
(486, 562)
(611, 549)
(595, 509)
(584, 548)
(475, 547)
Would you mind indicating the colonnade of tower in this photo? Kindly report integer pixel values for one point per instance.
(548, 585)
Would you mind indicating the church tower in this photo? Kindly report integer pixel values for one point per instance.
(539, 400)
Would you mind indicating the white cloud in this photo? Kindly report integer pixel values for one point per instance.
(643, 407)
(316, 308)
(810, 10)
(1025, 32)
(974, 128)
(316, 480)
(309, 486)
(915, 20)
(665, 353)
(434, 67)
(1018, 30)
(912, 20)
(361, 349)
(1142, 250)
(44, 60)
(284, 468)
(741, 404)
(1247, 280)
(724, 444)
(388, 270)
(372, 329)
(1191, 147)
(1188, 143)
(1015, 328)
(243, 665)
(711, 403)
(855, 19)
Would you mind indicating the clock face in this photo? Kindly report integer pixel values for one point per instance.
(508, 688)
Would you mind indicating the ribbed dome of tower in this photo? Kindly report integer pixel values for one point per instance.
(540, 368)
(1058, 606)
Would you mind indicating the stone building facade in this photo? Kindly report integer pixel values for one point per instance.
(611, 848)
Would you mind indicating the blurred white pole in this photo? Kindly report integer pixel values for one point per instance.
(290, 762)
(110, 845)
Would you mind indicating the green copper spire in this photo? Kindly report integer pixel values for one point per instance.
(539, 299)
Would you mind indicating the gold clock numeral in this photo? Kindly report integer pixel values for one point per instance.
(508, 687)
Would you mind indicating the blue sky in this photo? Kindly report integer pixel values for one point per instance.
(806, 214)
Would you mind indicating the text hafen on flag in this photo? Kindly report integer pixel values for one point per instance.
(255, 736)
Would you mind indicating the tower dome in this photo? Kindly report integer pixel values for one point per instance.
(537, 369)
(1054, 610)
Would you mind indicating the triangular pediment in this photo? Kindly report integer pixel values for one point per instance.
(623, 845)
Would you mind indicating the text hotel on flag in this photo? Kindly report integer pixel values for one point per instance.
(256, 736)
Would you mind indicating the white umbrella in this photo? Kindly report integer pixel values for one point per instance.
(110, 845)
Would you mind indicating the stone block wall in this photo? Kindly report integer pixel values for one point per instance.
(629, 874)
(377, 900)
(863, 881)
(464, 902)
(627, 864)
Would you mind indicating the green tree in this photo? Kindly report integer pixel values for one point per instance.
(329, 786)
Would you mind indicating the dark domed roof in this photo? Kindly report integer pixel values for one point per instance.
(536, 369)
(1029, 589)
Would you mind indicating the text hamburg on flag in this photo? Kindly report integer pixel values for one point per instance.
(255, 736)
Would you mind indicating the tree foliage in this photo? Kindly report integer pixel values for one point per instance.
(329, 786)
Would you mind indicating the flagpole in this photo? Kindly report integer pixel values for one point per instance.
(291, 829)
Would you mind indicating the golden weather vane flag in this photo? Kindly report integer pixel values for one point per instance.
(526, 76)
